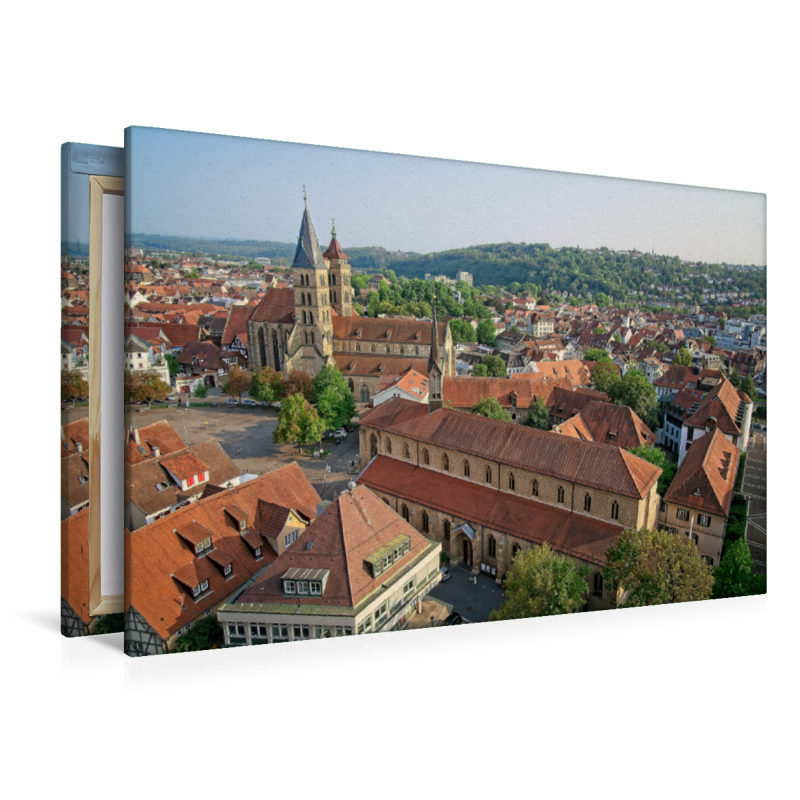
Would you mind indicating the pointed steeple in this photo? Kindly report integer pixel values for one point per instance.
(308, 253)
(334, 248)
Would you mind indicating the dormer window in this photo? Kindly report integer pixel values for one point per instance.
(257, 552)
(200, 588)
(227, 569)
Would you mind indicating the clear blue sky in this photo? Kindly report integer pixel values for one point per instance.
(193, 184)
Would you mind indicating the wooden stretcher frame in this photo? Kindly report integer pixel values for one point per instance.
(99, 185)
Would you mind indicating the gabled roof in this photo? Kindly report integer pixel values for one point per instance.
(396, 331)
(574, 534)
(73, 433)
(334, 250)
(723, 403)
(277, 306)
(155, 552)
(610, 424)
(308, 253)
(411, 381)
(465, 392)
(710, 467)
(676, 377)
(375, 365)
(236, 324)
(565, 403)
(352, 527)
(158, 434)
(75, 563)
(548, 453)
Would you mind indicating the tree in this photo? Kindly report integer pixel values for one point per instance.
(749, 388)
(541, 582)
(537, 415)
(110, 623)
(734, 378)
(298, 422)
(332, 397)
(636, 392)
(205, 634)
(596, 354)
(201, 391)
(485, 333)
(490, 407)
(655, 456)
(598, 331)
(73, 386)
(299, 381)
(267, 385)
(145, 386)
(734, 578)
(683, 358)
(480, 371)
(601, 299)
(462, 331)
(658, 346)
(172, 363)
(605, 375)
(711, 340)
(654, 567)
(495, 366)
(390, 275)
(237, 382)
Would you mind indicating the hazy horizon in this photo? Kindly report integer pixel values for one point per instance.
(220, 187)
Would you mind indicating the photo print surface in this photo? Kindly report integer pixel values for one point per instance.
(369, 392)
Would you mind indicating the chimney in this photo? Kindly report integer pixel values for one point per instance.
(135, 432)
(156, 451)
(78, 447)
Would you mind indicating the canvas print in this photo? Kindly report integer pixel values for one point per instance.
(368, 392)
(85, 608)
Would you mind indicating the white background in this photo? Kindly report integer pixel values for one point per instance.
(695, 701)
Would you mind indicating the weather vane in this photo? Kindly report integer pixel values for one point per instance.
(305, 199)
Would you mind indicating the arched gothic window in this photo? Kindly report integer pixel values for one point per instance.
(598, 584)
(426, 459)
(466, 469)
(514, 550)
(302, 298)
(351, 386)
(614, 510)
(488, 474)
(447, 529)
(445, 463)
(560, 494)
(425, 522)
(587, 502)
(492, 546)
(305, 318)
(405, 513)
(535, 489)
(406, 450)
(311, 317)
(389, 446)
(511, 482)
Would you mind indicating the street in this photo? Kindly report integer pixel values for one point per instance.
(754, 488)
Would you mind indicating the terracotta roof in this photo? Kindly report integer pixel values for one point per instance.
(722, 402)
(277, 306)
(548, 453)
(465, 392)
(158, 434)
(75, 563)
(177, 334)
(571, 533)
(334, 250)
(236, 324)
(610, 424)
(352, 527)
(577, 371)
(565, 403)
(404, 331)
(710, 466)
(73, 433)
(206, 353)
(74, 479)
(154, 553)
(370, 366)
(143, 479)
(410, 381)
(676, 377)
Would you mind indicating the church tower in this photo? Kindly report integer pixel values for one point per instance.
(339, 273)
(435, 371)
(311, 291)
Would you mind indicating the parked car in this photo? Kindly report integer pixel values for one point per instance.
(231, 402)
(454, 619)
(445, 573)
(276, 405)
(249, 402)
(341, 433)
(170, 397)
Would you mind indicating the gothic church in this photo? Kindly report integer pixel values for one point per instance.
(313, 324)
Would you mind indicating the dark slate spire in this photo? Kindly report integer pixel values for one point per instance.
(308, 253)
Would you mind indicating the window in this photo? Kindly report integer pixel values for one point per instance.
(466, 469)
(258, 631)
(343, 630)
(492, 546)
(236, 634)
(389, 446)
(198, 548)
(315, 588)
(406, 451)
(425, 522)
(447, 529)
(290, 537)
(289, 587)
(445, 463)
(302, 631)
(683, 513)
(704, 520)
(227, 569)
(257, 552)
(587, 502)
(404, 512)
(426, 459)
(693, 537)
(382, 614)
(535, 488)
(511, 482)
(514, 550)
(560, 494)
(302, 587)
(615, 510)
(366, 626)
(598, 584)
(408, 589)
(488, 474)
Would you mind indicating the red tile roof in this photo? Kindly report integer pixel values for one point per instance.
(354, 525)
(75, 563)
(710, 466)
(370, 366)
(608, 423)
(465, 392)
(587, 463)
(237, 323)
(404, 331)
(277, 306)
(154, 553)
(574, 534)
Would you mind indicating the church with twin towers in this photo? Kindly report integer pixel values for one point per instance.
(313, 324)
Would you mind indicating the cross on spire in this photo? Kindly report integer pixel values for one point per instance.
(305, 199)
